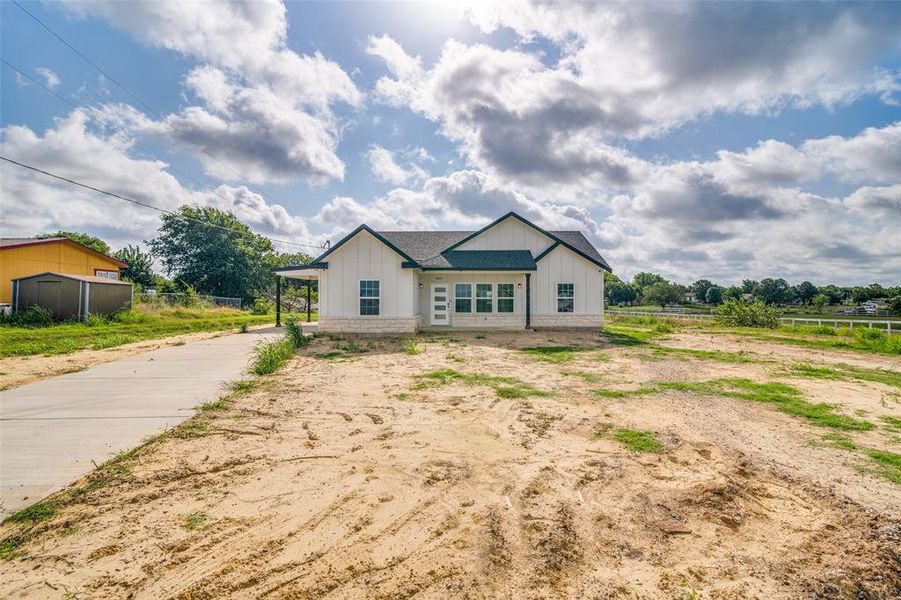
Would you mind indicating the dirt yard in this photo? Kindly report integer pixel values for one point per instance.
(464, 467)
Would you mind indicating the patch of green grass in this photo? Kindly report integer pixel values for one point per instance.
(638, 441)
(839, 440)
(480, 337)
(642, 391)
(195, 521)
(785, 398)
(352, 347)
(889, 464)
(269, 356)
(859, 338)
(9, 546)
(189, 429)
(585, 375)
(714, 355)
(621, 338)
(402, 396)
(455, 357)
(214, 405)
(505, 387)
(133, 326)
(893, 424)
(843, 371)
(37, 512)
(411, 347)
(330, 354)
(552, 354)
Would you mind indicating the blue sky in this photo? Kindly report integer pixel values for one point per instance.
(744, 140)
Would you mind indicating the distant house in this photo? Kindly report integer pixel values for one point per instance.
(511, 274)
(21, 257)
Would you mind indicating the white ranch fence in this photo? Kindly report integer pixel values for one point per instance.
(889, 326)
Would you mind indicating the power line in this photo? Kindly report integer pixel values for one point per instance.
(132, 95)
(144, 204)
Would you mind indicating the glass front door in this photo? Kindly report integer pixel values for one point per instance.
(440, 310)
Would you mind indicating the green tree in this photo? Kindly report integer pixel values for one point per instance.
(618, 291)
(643, 280)
(699, 288)
(194, 247)
(819, 301)
(859, 295)
(91, 241)
(772, 291)
(895, 305)
(714, 295)
(805, 292)
(661, 293)
(733, 292)
(140, 265)
(748, 286)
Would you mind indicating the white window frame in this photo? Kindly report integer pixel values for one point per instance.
(106, 274)
(490, 299)
(470, 298)
(512, 298)
(558, 297)
(361, 297)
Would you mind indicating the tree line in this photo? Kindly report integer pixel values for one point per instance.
(651, 288)
(204, 249)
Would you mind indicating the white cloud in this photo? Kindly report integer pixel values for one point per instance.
(631, 70)
(70, 149)
(266, 109)
(872, 155)
(51, 78)
(384, 165)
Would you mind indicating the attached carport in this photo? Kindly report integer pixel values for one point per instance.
(300, 272)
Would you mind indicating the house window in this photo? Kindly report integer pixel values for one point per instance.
(565, 297)
(505, 297)
(369, 297)
(106, 274)
(483, 298)
(463, 298)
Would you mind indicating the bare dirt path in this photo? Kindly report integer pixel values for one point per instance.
(354, 476)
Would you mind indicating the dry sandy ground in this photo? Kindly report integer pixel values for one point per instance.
(19, 370)
(341, 479)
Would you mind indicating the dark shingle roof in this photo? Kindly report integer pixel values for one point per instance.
(483, 260)
(578, 241)
(428, 247)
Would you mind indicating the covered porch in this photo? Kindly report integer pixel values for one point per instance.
(475, 300)
(300, 273)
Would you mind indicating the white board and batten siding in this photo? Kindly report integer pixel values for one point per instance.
(365, 257)
(562, 265)
(509, 234)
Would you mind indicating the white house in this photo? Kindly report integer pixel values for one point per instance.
(511, 274)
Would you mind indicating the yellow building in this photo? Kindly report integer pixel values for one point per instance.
(20, 257)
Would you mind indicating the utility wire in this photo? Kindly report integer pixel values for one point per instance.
(131, 94)
(144, 204)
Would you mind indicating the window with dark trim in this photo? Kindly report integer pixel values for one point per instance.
(369, 297)
(565, 297)
(484, 298)
(505, 297)
(463, 298)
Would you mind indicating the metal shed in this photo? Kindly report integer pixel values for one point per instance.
(72, 296)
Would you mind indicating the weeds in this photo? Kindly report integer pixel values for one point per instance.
(893, 424)
(889, 464)
(633, 439)
(714, 355)
(195, 521)
(642, 391)
(455, 357)
(585, 375)
(505, 387)
(843, 371)
(786, 399)
(552, 354)
(269, 356)
(838, 440)
(411, 347)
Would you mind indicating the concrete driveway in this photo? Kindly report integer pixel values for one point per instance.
(52, 430)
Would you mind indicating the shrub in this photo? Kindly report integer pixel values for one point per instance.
(95, 320)
(737, 313)
(33, 316)
(271, 355)
(294, 332)
(260, 307)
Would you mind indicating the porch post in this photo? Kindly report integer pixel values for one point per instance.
(278, 300)
(528, 300)
(309, 295)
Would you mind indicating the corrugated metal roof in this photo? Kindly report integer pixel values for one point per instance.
(7, 242)
(86, 278)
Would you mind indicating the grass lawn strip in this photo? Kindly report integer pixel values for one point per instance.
(505, 387)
